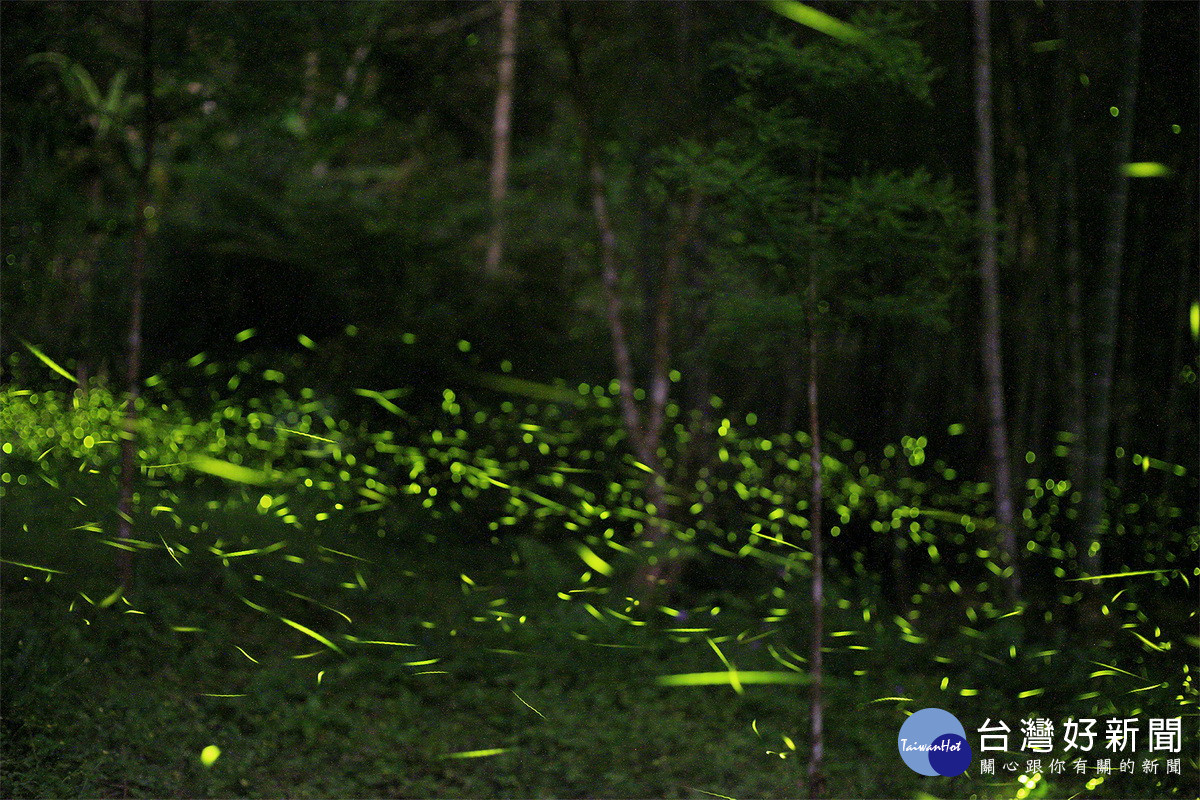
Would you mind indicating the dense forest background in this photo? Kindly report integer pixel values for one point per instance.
(806, 313)
(336, 172)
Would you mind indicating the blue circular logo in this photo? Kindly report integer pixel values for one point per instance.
(933, 742)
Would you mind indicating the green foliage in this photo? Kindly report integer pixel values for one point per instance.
(86, 427)
(361, 607)
(898, 247)
(885, 57)
(879, 245)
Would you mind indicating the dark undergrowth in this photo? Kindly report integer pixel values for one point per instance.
(439, 610)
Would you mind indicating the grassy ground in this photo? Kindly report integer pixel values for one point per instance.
(119, 708)
(102, 702)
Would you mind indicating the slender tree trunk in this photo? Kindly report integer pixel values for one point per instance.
(660, 369)
(793, 383)
(1046, 213)
(644, 441)
(816, 762)
(666, 572)
(698, 383)
(1108, 301)
(502, 130)
(1021, 223)
(80, 275)
(1074, 406)
(609, 268)
(137, 270)
(990, 286)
